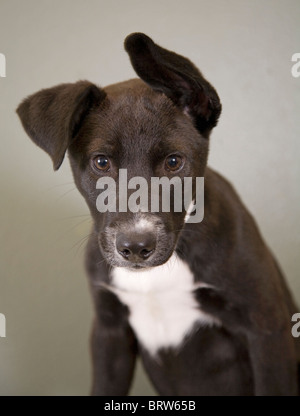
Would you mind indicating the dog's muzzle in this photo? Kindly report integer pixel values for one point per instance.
(136, 247)
(139, 241)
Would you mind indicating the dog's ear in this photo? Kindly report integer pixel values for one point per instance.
(52, 117)
(177, 78)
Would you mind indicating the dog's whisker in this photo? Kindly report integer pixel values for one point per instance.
(72, 228)
(61, 184)
(80, 242)
(75, 216)
(50, 188)
(100, 262)
(78, 224)
(64, 194)
(81, 247)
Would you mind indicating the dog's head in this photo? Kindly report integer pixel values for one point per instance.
(154, 127)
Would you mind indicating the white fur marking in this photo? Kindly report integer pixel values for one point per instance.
(162, 308)
(189, 211)
(143, 224)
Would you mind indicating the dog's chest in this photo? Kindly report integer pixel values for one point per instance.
(162, 307)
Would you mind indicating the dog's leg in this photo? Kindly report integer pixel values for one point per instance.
(113, 344)
(267, 332)
(268, 354)
(274, 373)
(113, 357)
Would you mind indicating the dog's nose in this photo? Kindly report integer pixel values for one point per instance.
(136, 247)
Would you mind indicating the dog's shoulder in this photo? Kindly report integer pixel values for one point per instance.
(220, 187)
(223, 203)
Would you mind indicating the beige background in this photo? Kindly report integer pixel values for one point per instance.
(244, 47)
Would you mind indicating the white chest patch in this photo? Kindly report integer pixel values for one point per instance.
(163, 310)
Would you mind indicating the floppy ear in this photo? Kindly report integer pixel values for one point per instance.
(177, 78)
(52, 117)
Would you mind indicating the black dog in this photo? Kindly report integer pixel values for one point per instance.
(204, 305)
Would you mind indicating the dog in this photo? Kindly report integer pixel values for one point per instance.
(204, 304)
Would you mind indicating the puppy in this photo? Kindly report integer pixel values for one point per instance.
(204, 304)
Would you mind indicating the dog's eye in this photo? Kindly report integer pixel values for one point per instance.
(173, 163)
(101, 163)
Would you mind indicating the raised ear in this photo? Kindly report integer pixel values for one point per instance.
(177, 78)
(52, 117)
